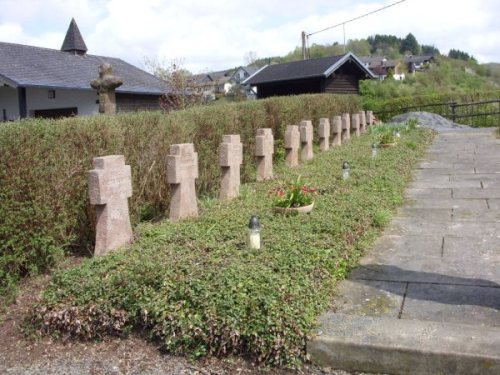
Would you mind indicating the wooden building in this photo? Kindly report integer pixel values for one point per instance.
(333, 74)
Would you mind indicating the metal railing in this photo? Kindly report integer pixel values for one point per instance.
(477, 114)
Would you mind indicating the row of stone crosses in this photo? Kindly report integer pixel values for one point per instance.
(110, 182)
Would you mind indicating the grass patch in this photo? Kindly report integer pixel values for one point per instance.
(196, 288)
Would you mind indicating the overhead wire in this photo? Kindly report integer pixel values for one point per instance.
(356, 18)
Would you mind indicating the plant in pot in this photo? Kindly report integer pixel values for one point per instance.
(296, 198)
(387, 140)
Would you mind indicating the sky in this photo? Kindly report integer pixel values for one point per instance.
(218, 34)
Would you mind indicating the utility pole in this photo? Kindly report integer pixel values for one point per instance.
(343, 26)
(304, 47)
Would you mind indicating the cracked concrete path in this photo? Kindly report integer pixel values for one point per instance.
(426, 298)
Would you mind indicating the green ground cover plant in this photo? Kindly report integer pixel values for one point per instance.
(44, 206)
(196, 289)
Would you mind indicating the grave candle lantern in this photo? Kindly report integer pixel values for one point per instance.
(345, 170)
(374, 150)
(254, 233)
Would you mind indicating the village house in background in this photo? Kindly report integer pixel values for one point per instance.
(333, 74)
(224, 82)
(382, 67)
(42, 82)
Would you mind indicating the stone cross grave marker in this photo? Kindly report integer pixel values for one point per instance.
(306, 140)
(362, 121)
(110, 186)
(355, 124)
(230, 159)
(264, 150)
(324, 134)
(337, 131)
(106, 85)
(346, 127)
(182, 171)
(292, 145)
(369, 118)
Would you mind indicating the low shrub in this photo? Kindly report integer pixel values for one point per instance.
(44, 206)
(197, 288)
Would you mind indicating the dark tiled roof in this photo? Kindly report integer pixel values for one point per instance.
(375, 60)
(250, 69)
(73, 42)
(312, 68)
(218, 75)
(418, 59)
(29, 66)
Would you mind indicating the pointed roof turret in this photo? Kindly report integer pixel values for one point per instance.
(73, 42)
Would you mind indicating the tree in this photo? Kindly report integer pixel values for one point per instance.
(183, 91)
(360, 47)
(250, 57)
(410, 44)
(385, 45)
(460, 55)
(429, 50)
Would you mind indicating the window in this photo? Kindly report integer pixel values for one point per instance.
(52, 94)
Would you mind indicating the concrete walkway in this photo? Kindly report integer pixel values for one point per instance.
(426, 297)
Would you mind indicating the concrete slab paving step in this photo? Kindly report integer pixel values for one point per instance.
(493, 204)
(476, 177)
(433, 270)
(400, 346)
(447, 203)
(425, 299)
(463, 214)
(421, 184)
(419, 225)
(431, 214)
(429, 193)
(478, 305)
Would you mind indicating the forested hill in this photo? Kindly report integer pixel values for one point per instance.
(389, 46)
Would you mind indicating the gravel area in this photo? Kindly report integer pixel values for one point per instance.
(430, 120)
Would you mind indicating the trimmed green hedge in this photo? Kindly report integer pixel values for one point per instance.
(44, 206)
(195, 287)
(387, 109)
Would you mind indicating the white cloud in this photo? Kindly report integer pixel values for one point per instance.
(217, 34)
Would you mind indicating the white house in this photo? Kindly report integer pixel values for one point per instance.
(42, 82)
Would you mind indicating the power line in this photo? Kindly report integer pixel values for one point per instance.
(356, 18)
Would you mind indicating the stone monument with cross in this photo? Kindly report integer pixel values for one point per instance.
(110, 186)
(264, 150)
(106, 85)
(355, 125)
(324, 134)
(292, 145)
(230, 160)
(369, 118)
(182, 171)
(346, 127)
(362, 121)
(337, 131)
(306, 140)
